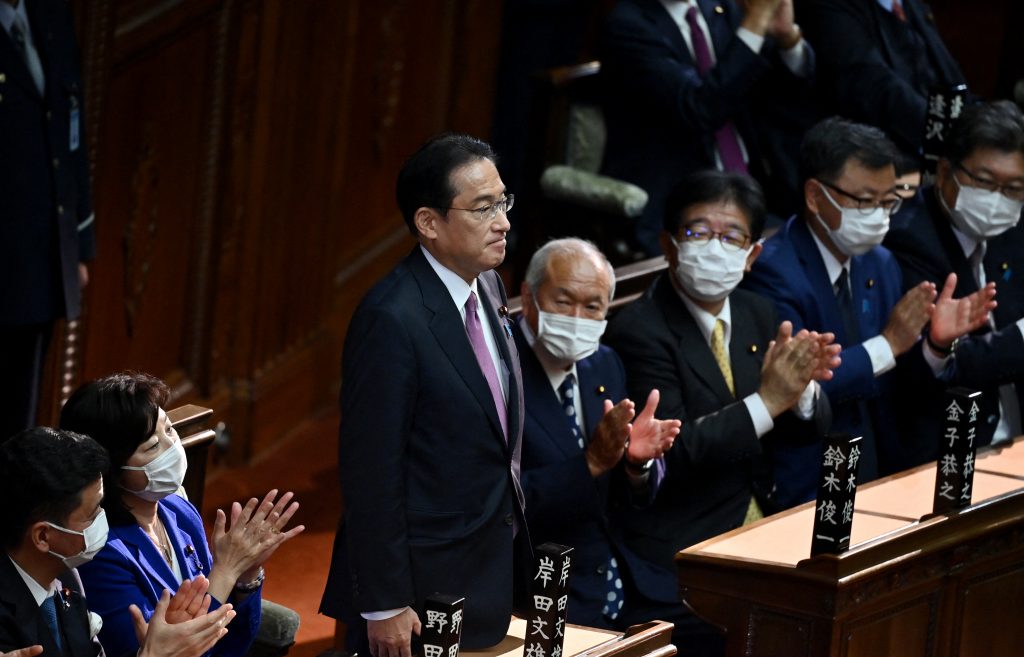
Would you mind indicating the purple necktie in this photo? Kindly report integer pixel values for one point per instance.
(483, 357)
(728, 143)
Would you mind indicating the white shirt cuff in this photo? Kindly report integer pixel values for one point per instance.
(936, 363)
(1020, 325)
(759, 414)
(796, 59)
(382, 615)
(880, 353)
(804, 408)
(753, 41)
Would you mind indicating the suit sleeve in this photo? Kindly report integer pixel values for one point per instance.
(642, 67)
(715, 439)
(378, 397)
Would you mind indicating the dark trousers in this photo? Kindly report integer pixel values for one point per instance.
(22, 353)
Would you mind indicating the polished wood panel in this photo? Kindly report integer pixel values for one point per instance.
(245, 153)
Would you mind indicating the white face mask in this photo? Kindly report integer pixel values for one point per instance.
(95, 538)
(568, 339)
(708, 271)
(857, 233)
(166, 473)
(981, 214)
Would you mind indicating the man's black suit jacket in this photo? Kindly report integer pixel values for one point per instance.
(875, 69)
(717, 462)
(44, 185)
(430, 488)
(662, 115)
(22, 623)
(927, 250)
(564, 503)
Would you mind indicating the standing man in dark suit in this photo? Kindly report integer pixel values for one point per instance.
(587, 454)
(877, 60)
(431, 417)
(968, 223)
(724, 367)
(698, 84)
(51, 522)
(825, 271)
(46, 220)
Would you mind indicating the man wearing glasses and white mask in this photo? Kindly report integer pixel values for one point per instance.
(969, 223)
(737, 379)
(826, 271)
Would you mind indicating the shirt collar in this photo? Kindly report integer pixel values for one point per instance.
(556, 374)
(677, 9)
(886, 4)
(457, 287)
(38, 592)
(705, 320)
(7, 14)
(832, 264)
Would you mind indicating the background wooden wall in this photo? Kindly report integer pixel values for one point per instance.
(245, 154)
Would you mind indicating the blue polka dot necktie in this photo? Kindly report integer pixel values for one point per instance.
(568, 394)
(49, 610)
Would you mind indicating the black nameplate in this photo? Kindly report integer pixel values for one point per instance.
(954, 472)
(837, 490)
(549, 597)
(944, 107)
(441, 631)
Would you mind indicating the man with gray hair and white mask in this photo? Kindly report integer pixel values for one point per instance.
(588, 455)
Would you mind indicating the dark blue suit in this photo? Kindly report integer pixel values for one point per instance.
(131, 570)
(790, 271)
(927, 249)
(22, 624)
(662, 115)
(430, 485)
(564, 503)
(44, 203)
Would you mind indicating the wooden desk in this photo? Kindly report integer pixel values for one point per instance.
(910, 585)
(648, 640)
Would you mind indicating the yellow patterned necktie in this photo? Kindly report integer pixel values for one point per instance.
(721, 354)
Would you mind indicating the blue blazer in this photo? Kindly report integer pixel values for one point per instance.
(662, 115)
(44, 232)
(430, 484)
(790, 271)
(130, 570)
(564, 503)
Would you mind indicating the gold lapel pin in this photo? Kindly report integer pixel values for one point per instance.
(870, 283)
(753, 348)
(600, 390)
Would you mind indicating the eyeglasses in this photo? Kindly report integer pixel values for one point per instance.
(732, 239)
(1014, 191)
(865, 206)
(490, 211)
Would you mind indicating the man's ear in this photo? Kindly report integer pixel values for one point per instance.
(668, 248)
(38, 536)
(752, 256)
(425, 221)
(811, 190)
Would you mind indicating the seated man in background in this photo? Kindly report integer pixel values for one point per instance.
(697, 84)
(877, 60)
(51, 522)
(825, 271)
(582, 455)
(724, 367)
(968, 223)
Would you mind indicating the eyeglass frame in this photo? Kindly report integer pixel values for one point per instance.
(490, 211)
(988, 185)
(864, 210)
(688, 232)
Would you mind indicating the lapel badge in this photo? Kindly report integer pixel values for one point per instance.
(870, 283)
(502, 311)
(505, 323)
(719, 9)
(65, 598)
(753, 348)
(600, 390)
